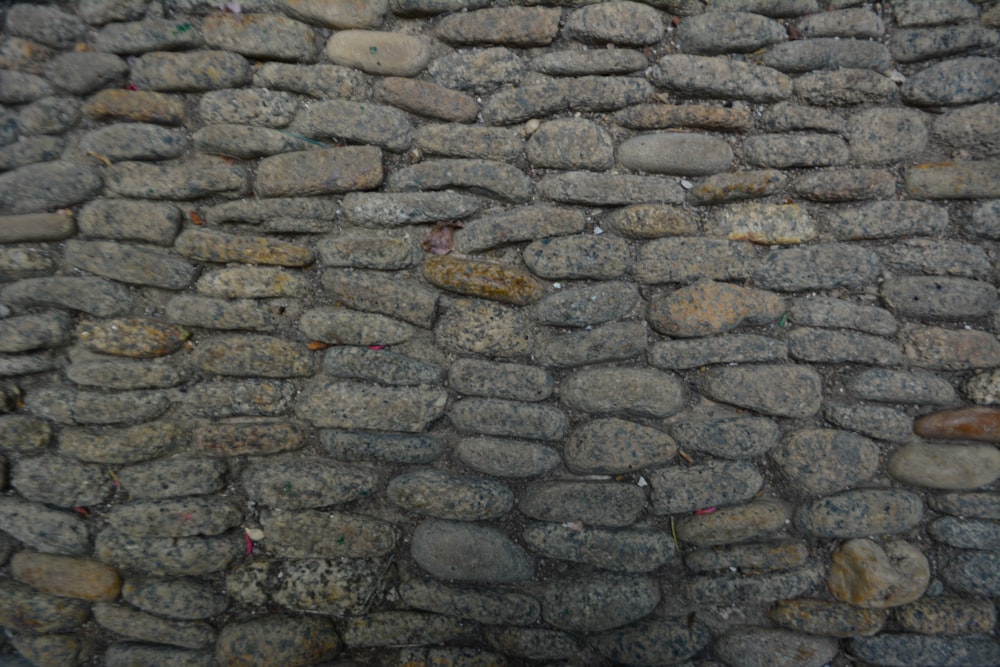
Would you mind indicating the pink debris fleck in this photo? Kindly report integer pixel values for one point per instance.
(707, 510)
(376, 347)
(249, 544)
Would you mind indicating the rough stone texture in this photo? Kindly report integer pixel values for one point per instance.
(868, 575)
(708, 308)
(470, 553)
(785, 390)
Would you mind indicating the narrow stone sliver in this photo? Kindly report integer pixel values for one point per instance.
(458, 332)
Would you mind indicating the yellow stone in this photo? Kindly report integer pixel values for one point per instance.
(482, 278)
(67, 576)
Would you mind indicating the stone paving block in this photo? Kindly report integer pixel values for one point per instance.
(822, 53)
(136, 105)
(35, 187)
(194, 71)
(953, 82)
(574, 63)
(703, 76)
(483, 606)
(596, 503)
(317, 172)
(152, 34)
(320, 81)
(30, 610)
(494, 179)
(366, 446)
(427, 99)
(465, 551)
(756, 647)
(479, 70)
(512, 26)
(47, 25)
(261, 36)
(845, 87)
(468, 141)
(614, 600)
(612, 341)
(972, 128)
(376, 52)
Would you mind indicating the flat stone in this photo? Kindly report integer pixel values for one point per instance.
(939, 297)
(245, 142)
(776, 389)
(211, 246)
(50, 649)
(867, 575)
(253, 355)
(175, 518)
(381, 209)
(728, 438)
(143, 221)
(931, 13)
(60, 481)
(321, 171)
(468, 552)
(710, 484)
(816, 267)
(502, 457)
(140, 626)
(35, 331)
(788, 116)
(678, 153)
(686, 259)
(825, 460)
(735, 186)
(606, 504)
(514, 105)
(860, 513)
(320, 81)
(382, 53)
(365, 252)
(654, 641)
(448, 496)
(482, 278)
(979, 505)
(210, 313)
(123, 445)
(405, 628)
(193, 178)
(576, 63)
(21, 87)
(581, 187)
(236, 398)
(247, 437)
(474, 326)
(179, 599)
(81, 73)
(381, 447)
(770, 224)
(736, 523)
(965, 533)
(831, 53)
(650, 221)
(488, 177)
(36, 227)
(499, 380)
(876, 421)
(47, 185)
(756, 557)
(172, 477)
(952, 82)
(886, 135)
(323, 534)
(627, 23)
(361, 122)
(954, 180)
(261, 36)
(611, 446)
(846, 87)
(43, 528)
(47, 25)
(468, 141)
(800, 150)
(587, 306)
(612, 341)
(704, 76)
(30, 610)
(626, 550)
(377, 292)
(949, 349)
(339, 14)
(771, 647)
(248, 106)
(138, 338)
(891, 386)
(478, 71)
(170, 556)
(971, 128)
(295, 641)
(709, 307)
(31, 150)
(734, 348)
(833, 619)
(24, 364)
(945, 466)
(825, 346)
(48, 116)
(137, 264)
(494, 416)
(914, 649)
(338, 587)
(379, 366)
(839, 313)
(426, 98)
(290, 482)
(135, 105)
(571, 143)
(841, 185)
(151, 34)
(531, 643)
(750, 591)
(69, 406)
(599, 601)
(414, 409)
(857, 23)
(625, 391)
(657, 116)
(194, 71)
(483, 606)
(973, 573)
(22, 433)
(511, 26)
(936, 257)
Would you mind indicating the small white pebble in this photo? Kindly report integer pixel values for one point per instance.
(556, 285)
(642, 481)
(732, 568)
(686, 184)
(255, 534)
(598, 230)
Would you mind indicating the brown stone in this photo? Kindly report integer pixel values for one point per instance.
(663, 116)
(483, 278)
(427, 99)
(650, 221)
(733, 186)
(867, 575)
(708, 308)
(961, 424)
(138, 338)
(136, 105)
(833, 619)
(950, 349)
(322, 171)
(66, 576)
(211, 246)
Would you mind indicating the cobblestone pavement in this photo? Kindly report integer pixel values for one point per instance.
(536, 332)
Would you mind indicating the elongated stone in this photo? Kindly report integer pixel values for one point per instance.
(612, 446)
(980, 423)
(784, 390)
(597, 602)
(29, 610)
(377, 292)
(494, 416)
(612, 341)
(449, 496)
(608, 504)
(293, 482)
(182, 517)
(294, 641)
(211, 246)
(317, 172)
(715, 483)
(44, 529)
(504, 457)
(513, 26)
(124, 445)
(736, 523)
(703, 76)
(709, 307)
(945, 466)
(770, 224)
(247, 437)
(492, 607)
(481, 278)
(627, 550)
(949, 349)
(469, 552)
(860, 513)
(356, 405)
(678, 153)
(170, 556)
(319, 534)
(45, 185)
(34, 331)
(727, 437)
(91, 295)
(475, 326)
(770, 556)
(382, 53)
(132, 263)
(836, 619)
(172, 477)
(252, 355)
(500, 380)
(772, 647)
(199, 176)
(912, 649)
(379, 366)
(134, 337)
(495, 179)
(342, 326)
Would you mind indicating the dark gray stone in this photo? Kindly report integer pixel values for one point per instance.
(918, 44)
(59, 481)
(939, 298)
(891, 386)
(261, 36)
(170, 556)
(704, 76)
(248, 106)
(821, 461)
(469, 552)
(686, 259)
(876, 421)
(749, 591)
(31, 150)
(716, 33)
(845, 87)
(626, 550)
(470, 141)
(475, 326)
(21, 87)
(311, 534)
(365, 252)
(290, 482)
(320, 171)
(342, 326)
(500, 380)
(913, 650)
(972, 128)
(978, 505)
(939, 257)
(352, 406)
(631, 24)
(711, 484)
(47, 185)
(587, 306)
(771, 647)
(827, 53)
(179, 599)
(28, 609)
(85, 72)
(35, 331)
(824, 266)
(953, 82)
(531, 643)
(361, 122)
(735, 348)
(184, 517)
(627, 391)
(380, 209)
(728, 438)
(149, 222)
(44, 529)
(483, 606)
(449, 496)
(503, 457)
(973, 573)
(140, 626)
(381, 447)
(760, 557)
(654, 641)
(785, 390)
(286, 640)
(494, 416)
(860, 513)
(825, 346)
(380, 366)
(130, 263)
(966, 533)
(152, 34)
(608, 504)
(599, 601)
(787, 116)
(18, 263)
(123, 445)
(406, 628)
(193, 178)
(858, 23)
(44, 24)
(233, 314)
(173, 477)
(491, 178)
(932, 13)
(581, 187)
(23, 433)
(478, 71)
(582, 63)
(613, 446)
(321, 81)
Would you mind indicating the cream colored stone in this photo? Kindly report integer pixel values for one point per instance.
(867, 575)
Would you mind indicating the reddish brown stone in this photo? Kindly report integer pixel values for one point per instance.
(66, 576)
(133, 337)
(481, 278)
(962, 424)
(136, 105)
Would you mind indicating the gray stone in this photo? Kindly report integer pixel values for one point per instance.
(759, 557)
(973, 573)
(249, 106)
(503, 457)
(49, 649)
(173, 477)
(249, 314)
(179, 599)
(836, 619)
(379, 366)
(45, 24)
(626, 391)
(381, 447)
(931, 13)
(149, 222)
(836, 185)
(236, 398)
(821, 461)
(338, 587)
(654, 641)
(324, 534)
(290, 482)
(860, 513)
(245, 142)
(288, 640)
(24, 364)
(47, 185)
(22, 433)
(454, 140)
(194, 71)
(953, 82)
(571, 143)
(716, 483)
(891, 386)
(123, 445)
(581, 63)
(377, 292)
(828, 53)
(152, 34)
(749, 591)
(939, 298)
(734, 348)
(678, 153)
(512, 26)
(60, 481)
(825, 346)
(982, 389)
(365, 252)
(36, 227)
(494, 416)
(972, 128)
(599, 601)
(426, 98)
(606, 504)
(613, 446)
(844, 87)
(626, 550)
(770, 647)
(193, 178)
(406, 628)
(361, 122)
(28, 609)
(823, 266)
(184, 517)
(21, 87)
(141, 626)
(787, 116)
(341, 15)
(649, 221)
(728, 437)
(321, 81)
(857, 23)
(258, 211)
(704, 76)
(838, 313)
(612, 341)
(130, 263)
(686, 259)
(17, 263)
(799, 150)
(320, 171)
(44, 529)
(379, 209)
(771, 224)
(247, 436)
(531, 643)
(727, 32)
(785, 390)
(876, 421)
(949, 349)
(475, 326)
(85, 72)
(448, 496)
(493, 608)
(580, 187)
(628, 23)
(578, 256)
(914, 45)
(252, 355)
(936, 257)
(587, 306)
(478, 71)
(491, 178)
(354, 405)
(886, 135)
(170, 556)
(31, 150)
(947, 615)
(469, 552)
(384, 53)
(261, 36)
(954, 180)
(966, 533)
(500, 380)
(913, 650)
(945, 466)
(35, 331)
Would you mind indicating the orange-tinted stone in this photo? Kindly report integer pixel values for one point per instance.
(136, 105)
(485, 279)
(981, 424)
(708, 308)
(133, 337)
(67, 576)
(865, 574)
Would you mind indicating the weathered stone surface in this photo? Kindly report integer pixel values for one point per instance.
(749, 591)
(246, 142)
(965, 533)
(710, 484)
(379, 293)
(169, 556)
(468, 141)
(210, 246)
(478, 71)
(365, 252)
(339, 14)
(68, 406)
(60, 481)
(290, 482)
(607, 504)
(249, 314)
(295, 641)
(844, 87)
(51, 649)
(578, 256)
(828, 53)
(703, 76)
(381, 447)
(609, 189)
(35, 331)
(654, 641)
(36, 227)
(66, 576)
(876, 421)
(598, 602)
(611, 446)
(860, 513)
(193, 178)
(44, 529)
(247, 106)
(32, 611)
(489, 177)
(320, 81)
(512, 26)
(752, 556)
(785, 390)
(973, 573)
(945, 466)
(687, 259)
(857, 23)
(494, 416)
(824, 346)
(972, 128)
(627, 550)
(138, 264)
(823, 461)
(649, 221)
(45, 185)
(379, 366)
(379, 209)
(979, 505)
(949, 349)
(663, 116)
(868, 575)
(802, 150)
(771, 224)
(136, 105)
(474, 326)
(355, 405)
(85, 72)
(575, 63)
(253, 355)
(952, 82)
(886, 135)
(954, 180)
(175, 518)
(374, 52)
(180, 599)
(834, 619)
(448, 496)
(469, 552)
(837, 185)
(124, 445)
(150, 222)
(132, 337)
(612, 341)
(193, 71)
(914, 649)
(770, 647)
(482, 278)
(728, 438)
(531, 643)
(571, 143)
(628, 23)
(152, 34)
(676, 153)
(172, 477)
(22, 433)
(708, 307)
(734, 348)
(361, 122)
(316, 534)
(931, 13)
(338, 587)
(726, 32)
(823, 266)
(21, 87)
(838, 313)
(405, 628)
(263, 36)
(938, 257)
(500, 380)
(587, 306)
(892, 386)
(736, 523)
(503, 457)
(47, 25)
(247, 436)
(238, 398)
(625, 391)
(321, 171)
(426, 98)
(483, 606)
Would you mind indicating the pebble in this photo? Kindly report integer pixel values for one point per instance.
(51, 649)
(785, 390)
(704, 76)
(686, 259)
(714, 483)
(625, 391)
(726, 32)
(135, 105)
(752, 557)
(361, 122)
(59, 481)
(949, 349)
(913, 649)
(211, 246)
(845, 87)
(965, 533)
(578, 63)
(173, 477)
(663, 116)
(517, 382)
(340, 14)
(788, 116)
(578, 256)
(952, 82)
(338, 587)
(320, 81)
(482, 278)
(151, 34)
(531, 643)
(478, 71)
(502, 457)
(469, 141)
(931, 13)
(170, 556)
(979, 505)
(250, 106)
(612, 446)
(474, 326)
(866, 574)
(391, 209)
(123, 445)
(516, 419)
(510, 26)
(983, 389)
(289, 482)
(972, 128)
(448, 496)
(736, 523)
(825, 346)
(918, 44)
(708, 307)
(137, 264)
(936, 257)
(35, 331)
(209, 313)
(654, 641)
(650, 221)
(772, 647)
(324, 534)
(892, 386)
(587, 306)
(875, 421)
(464, 551)
(627, 550)
(613, 341)
(203, 515)
(728, 437)
(43, 528)
(857, 23)
(295, 641)
(939, 297)
(261, 36)
(21, 87)
(945, 466)
(782, 151)
(599, 601)
(141, 626)
(238, 398)
(179, 599)
(606, 504)
(426, 98)
(571, 143)
(831, 619)
(973, 573)
(190, 72)
(198, 177)
(320, 171)
(379, 366)
(405, 628)
(817, 267)
(21, 433)
(625, 23)
(768, 224)
(81, 73)
(383, 53)
(253, 355)
(47, 25)
(414, 409)
(960, 424)
(34, 612)
(138, 338)
(67, 406)
(490, 177)
(835, 185)
(16, 263)
(143, 221)
(752, 590)
(36, 227)
(377, 292)
(23, 364)
(493, 608)
(678, 153)
(821, 311)
(47, 185)
(830, 53)
(954, 180)
(860, 513)
(365, 252)
(244, 142)
(580, 187)
(381, 447)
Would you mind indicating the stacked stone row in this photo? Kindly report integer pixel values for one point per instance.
(433, 332)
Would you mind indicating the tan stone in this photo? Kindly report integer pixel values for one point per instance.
(650, 221)
(133, 337)
(708, 307)
(386, 53)
(426, 98)
(663, 116)
(867, 575)
(486, 279)
(66, 576)
(945, 466)
(339, 14)
(136, 105)
(782, 224)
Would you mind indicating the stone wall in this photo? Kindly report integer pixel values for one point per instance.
(458, 332)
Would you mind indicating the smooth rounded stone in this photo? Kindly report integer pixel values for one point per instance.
(123, 445)
(339, 14)
(363, 406)
(362, 122)
(190, 72)
(365, 252)
(783, 390)
(21, 87)
(24, 364)
(945, 466)
(261, 36)
(248, 106)
(381, 447)
(627, 23)
(474, 326)
(22, 433)
(710, 484)
(608, 504)
(978, 423)
(650, 221)
(320, 171)
(454, 140)
(727, 438)
(817, 267)
(829, 53)
(975, 573)
(511, 26)
(377, 292)
(91, 295)
(137, 338)
(571, 143)
(85, 72)
(204, 515)
(842, 314)
(93, 407)
(742, 590)
(47, 25)
(379, 366)
(426, 98)
(199, 176)
(36, 227)
(170, 556)
(65, 576)
(832, 619)
(599, 601)
(965, 533)
(469, 552)
(140, 626)
(494, 416)
(800, 150)
(856, 23)
(448, 496)
(53, 649)
(490, 607)
(972, 128)
(844, 87)
(768, 224)
(771, 647)
(320, 81)
(825, 346)
(406, 628)
(137, 264)
(689, 259)
(978, 505)
(59, 481)
(29, 610)
(246, 142)
(612, 341)
(324, 534)
(704, 76)
(238, 398)
(253, 355)
(150, 222)
(892, 386)
(627, 550)
(736, 523)
(735, 348)
(627, 391)
(178, 599)
(35, 331)
(708, 307)
(936, 257)
(136, 654)
(932, 13)
(338, 587)
(952, 82)
(587, 306)
(290, 482)
(837, 185)
(861, 512)
(31, 150)
(612, 446)
(488, 177)
(654, 641)
(235, 314)
(656, 116)
(876, 421)
(401, 208)
(716, 33)
(478, 71)
(914, 650)
(519, 224)
(295, 641)
(482, 278)
(577, 63)
(151, 34)
(677, 153)
(886, 135)
(48, 185)
(501, 457)
(44, 529)
(752, 557)
(788, 116)
(212, 246)
(382, 53)
(949, 349)
(865, 574)
(939, 297)
(582, 187)
(500, 380)
(948, 616)
(173, 477)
